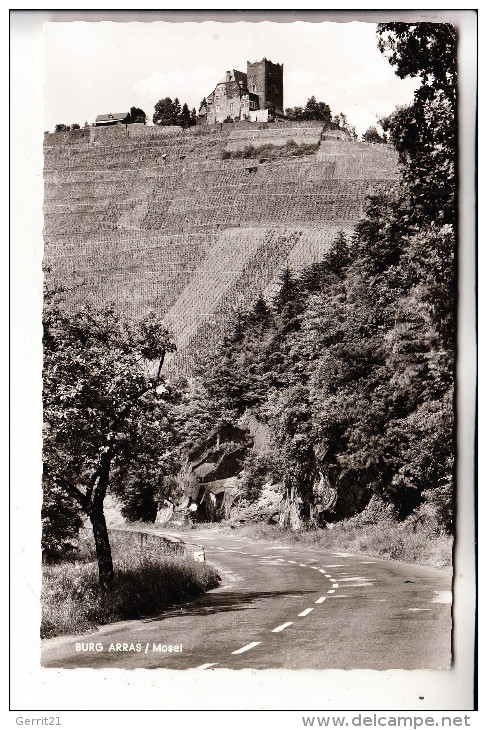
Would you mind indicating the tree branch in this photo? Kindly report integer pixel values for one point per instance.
(74, 492)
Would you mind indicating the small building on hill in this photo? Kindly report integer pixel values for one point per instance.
(109, 120)
(256, 95)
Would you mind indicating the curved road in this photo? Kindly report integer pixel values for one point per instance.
(284, 606)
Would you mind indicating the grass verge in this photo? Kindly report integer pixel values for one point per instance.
(144, 584)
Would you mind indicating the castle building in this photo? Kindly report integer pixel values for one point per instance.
(256, 95)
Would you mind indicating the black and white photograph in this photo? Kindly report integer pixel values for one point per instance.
(254, 369)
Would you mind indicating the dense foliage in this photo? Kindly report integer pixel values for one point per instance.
(372, 135)
(169, 113)
(314, 110)
(319, 111)
(425, 132)
(137, 115)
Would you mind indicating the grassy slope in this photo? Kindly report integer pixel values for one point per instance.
(192, 234)
(145, 583)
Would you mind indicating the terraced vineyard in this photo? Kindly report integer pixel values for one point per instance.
(159, 218)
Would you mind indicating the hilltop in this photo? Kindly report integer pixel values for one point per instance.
(192, 222)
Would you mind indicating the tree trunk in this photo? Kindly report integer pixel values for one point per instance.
(103, 550)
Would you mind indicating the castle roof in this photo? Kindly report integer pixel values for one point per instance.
(240, 77)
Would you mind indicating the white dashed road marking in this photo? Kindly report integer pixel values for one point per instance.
(246, 648)
(281, 627)
(440, 597)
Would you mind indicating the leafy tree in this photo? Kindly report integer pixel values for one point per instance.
(314, 110)
(102, 407)
(317, 110)
(427, 50)
(75, 126)
(62, 128)
(167, 112)
(137, 115)
(295, 113)
(372, 135)
(424, 133)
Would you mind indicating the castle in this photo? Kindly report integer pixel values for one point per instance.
(256, 95)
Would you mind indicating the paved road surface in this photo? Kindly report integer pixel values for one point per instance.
(285, 606)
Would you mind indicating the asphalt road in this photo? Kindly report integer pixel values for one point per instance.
(284, 606)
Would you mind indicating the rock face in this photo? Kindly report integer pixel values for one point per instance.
(211, 476)
(211, 480)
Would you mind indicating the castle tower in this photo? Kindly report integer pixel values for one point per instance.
(264, 78)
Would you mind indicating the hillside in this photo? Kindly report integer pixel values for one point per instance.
(174, 220)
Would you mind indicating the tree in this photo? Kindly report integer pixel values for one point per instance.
(317, 110)
(427, 50)
(184, 119)
(61, 128)
(314, 110)
(137, 115)
(372, 135)
(340, 121)
(167, 112)
(295, 113)
(425, 132)
(102, 404)
(75, 126)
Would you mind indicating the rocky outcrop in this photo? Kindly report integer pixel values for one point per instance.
(211, 474)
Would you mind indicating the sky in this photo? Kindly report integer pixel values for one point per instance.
(99, 67)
